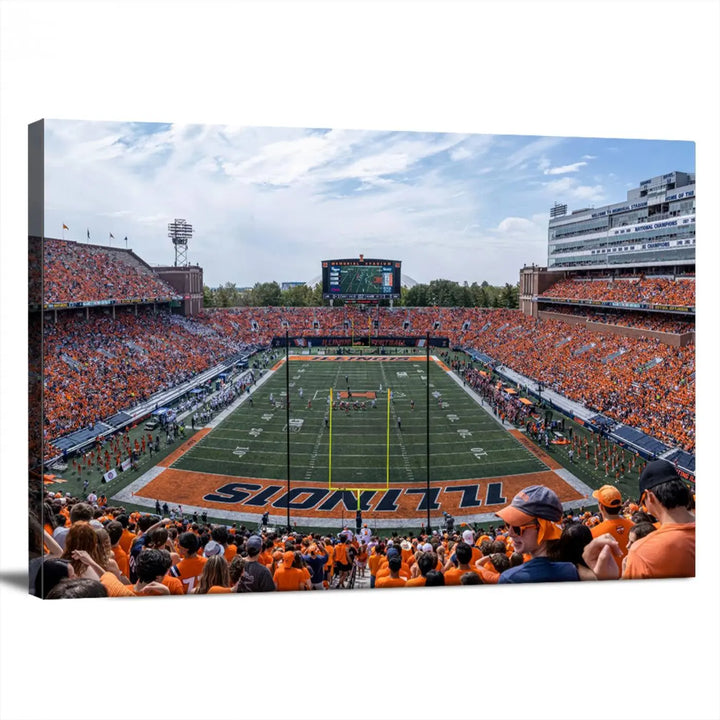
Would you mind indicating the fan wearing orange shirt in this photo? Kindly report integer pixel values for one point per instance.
(115, 532)
(666, 553)
(393, 579)
(288, 577)
(463, 553)
(190, 568)
(491, 566)
(151, 567)
(128, 538)
(374, 561)
(426, 561)
(221, 535)
(610, 503)
(342, 564)
(362, 558)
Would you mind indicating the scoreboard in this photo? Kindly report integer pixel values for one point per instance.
(361, 279)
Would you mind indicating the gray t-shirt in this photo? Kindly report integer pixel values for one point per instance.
(256, 578)
(59, 534)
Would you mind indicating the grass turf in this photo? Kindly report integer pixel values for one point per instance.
(465, 441)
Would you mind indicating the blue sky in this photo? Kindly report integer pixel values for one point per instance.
(270, 203)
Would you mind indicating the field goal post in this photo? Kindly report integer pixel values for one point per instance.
(355, 489)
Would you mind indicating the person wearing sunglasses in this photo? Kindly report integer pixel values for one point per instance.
(669, 552)
(533, 518)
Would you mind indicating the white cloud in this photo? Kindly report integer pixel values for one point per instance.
(530, 151)
(460, 153)
(574, 167)
(589, 157)
(269, 203)
(568, 188)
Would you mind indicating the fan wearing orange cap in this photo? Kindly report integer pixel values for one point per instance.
(668, 552)
(610, 503)
(533, 517)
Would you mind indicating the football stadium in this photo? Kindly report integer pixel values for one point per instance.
(361, 441)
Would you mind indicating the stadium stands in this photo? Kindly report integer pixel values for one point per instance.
(76, 272)
(649, 291)
(99, 366)
(646, 321)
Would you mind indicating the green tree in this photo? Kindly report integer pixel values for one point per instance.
(298, 296)
(316, 298)
(510, 296)
(230, 296)
(266, 294)
(417, 296)
(442, 292)
(208, 297)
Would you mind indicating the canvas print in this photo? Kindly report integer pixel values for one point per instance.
(288, 359)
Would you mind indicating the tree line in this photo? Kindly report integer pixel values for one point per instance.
(441, 293)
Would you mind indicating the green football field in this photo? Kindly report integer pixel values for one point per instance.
(369, 448)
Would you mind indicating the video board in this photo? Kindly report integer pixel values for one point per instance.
(361, 279)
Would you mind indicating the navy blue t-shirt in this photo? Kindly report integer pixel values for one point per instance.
(316, 563)
(540, 570)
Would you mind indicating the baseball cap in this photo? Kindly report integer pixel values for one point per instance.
(288, 558)
(213, 548)
(608, 496)
(468, 536)
(405, 545)
(535, 501)
(656, 473)
(254, 544)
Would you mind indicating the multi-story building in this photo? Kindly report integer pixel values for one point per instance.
(651, 235)
(653, 228)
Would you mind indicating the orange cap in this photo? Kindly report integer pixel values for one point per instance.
(608, 496)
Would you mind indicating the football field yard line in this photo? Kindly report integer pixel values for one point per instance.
(398, 431)
(451, 452)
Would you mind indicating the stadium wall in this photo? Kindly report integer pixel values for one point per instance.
(534, 281)
(188, 282)
(672, 339)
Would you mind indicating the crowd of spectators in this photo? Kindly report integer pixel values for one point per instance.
(645, 290)
(74, 272)
(659, 322)
(95, 367)
(82, 548)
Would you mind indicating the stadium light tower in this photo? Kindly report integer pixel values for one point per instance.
(180, 233)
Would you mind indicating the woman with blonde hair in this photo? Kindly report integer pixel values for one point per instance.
(215, 577)
(110, 564)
